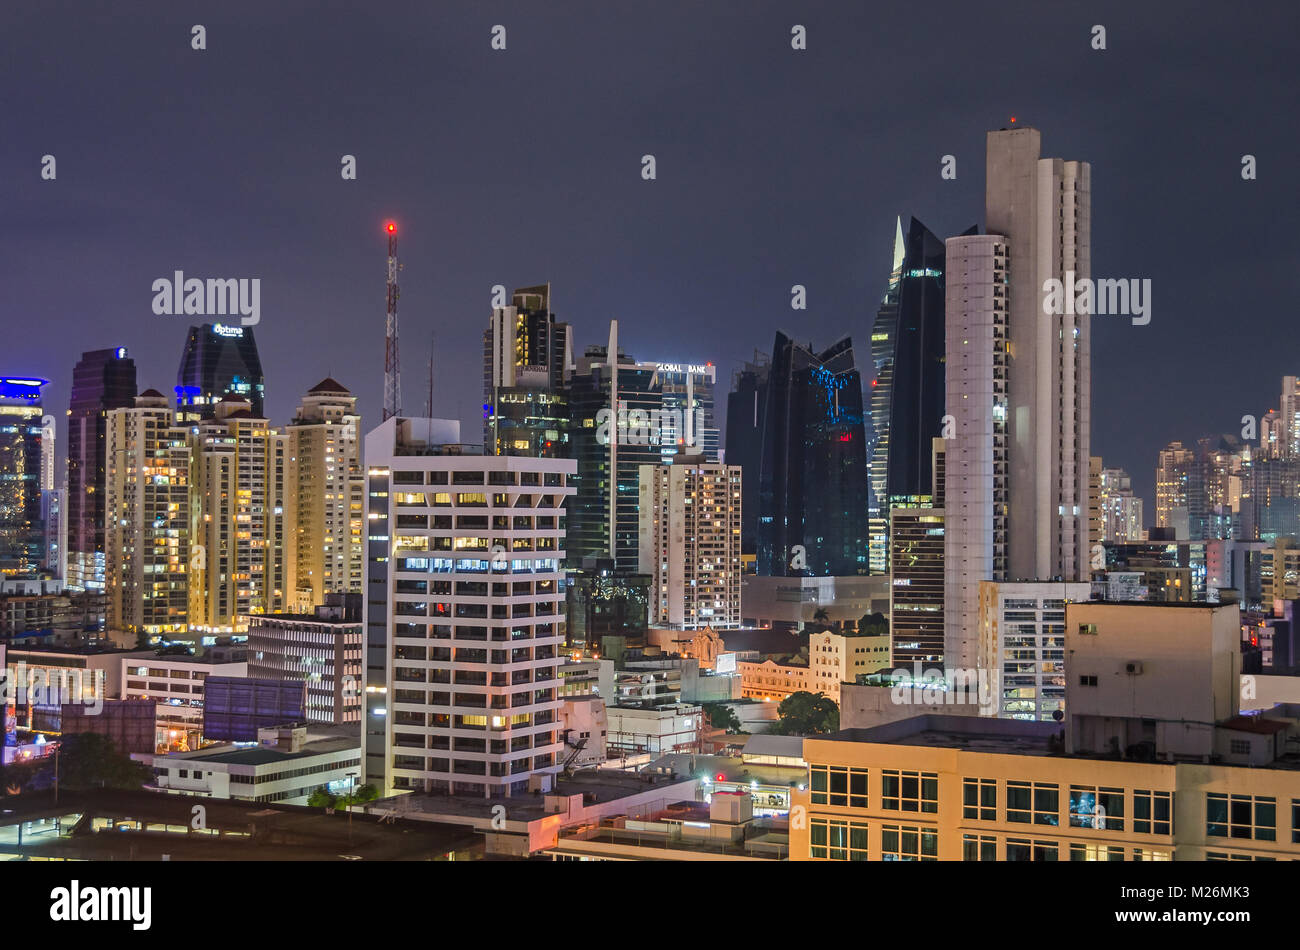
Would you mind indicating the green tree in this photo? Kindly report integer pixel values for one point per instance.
(721, 716)
(806, 714)
(360, 795)
(89, 760)
(321, 797)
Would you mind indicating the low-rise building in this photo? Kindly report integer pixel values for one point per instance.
(654, 729)
(287, 765)
(175, 684)
(584, 726)
(835, 659)
(724, 829)
(321, 649)
(771, 681)
(1154, 762)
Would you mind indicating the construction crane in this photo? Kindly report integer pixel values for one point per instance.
(392, 367)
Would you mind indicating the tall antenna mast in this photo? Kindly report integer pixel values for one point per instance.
(428, 406)
(392, 368)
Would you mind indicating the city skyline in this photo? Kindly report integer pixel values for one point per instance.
(754, 191)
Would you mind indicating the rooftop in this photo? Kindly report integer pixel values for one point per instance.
(597, 786)
(264, 755)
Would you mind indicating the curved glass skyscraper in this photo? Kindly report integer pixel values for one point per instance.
(907, 394)
(812, 495)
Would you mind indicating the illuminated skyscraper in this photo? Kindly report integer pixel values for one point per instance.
(22, 532)
(238, 551)
(1173, 472)
(326, 485)
(220, 360)
(465, 613)
(614, 404)
(690, 543)
(907, 393)
(102, 380)
(527, 362)
(147, 538)
(812, 493)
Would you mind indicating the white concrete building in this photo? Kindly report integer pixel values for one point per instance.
(654, 730)
(1022, 644)
(1017, 385)
(584, 727)
(466, 577)
(175, 684)
(287, 765)
(976, 465)
(322, 649)
(690, 543)
(834, 659)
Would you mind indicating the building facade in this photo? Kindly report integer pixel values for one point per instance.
(326, 485)
(22, 532)
(148, 518)
(219, 361)
(690, 515)
(102, 380)
(466, 584)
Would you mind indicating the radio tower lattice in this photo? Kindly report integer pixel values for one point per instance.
(392, 367)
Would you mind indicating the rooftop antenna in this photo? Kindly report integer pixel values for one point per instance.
(392, 370)
(428, 406)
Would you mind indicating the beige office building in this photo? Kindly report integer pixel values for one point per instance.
(147, 518)
(1154, 762)
(239, 559)
(324, 477)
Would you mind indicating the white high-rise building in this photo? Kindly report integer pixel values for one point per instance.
(1018, 384)
(690, 543)
(976, 462)
(465, 610)
(1022, 644)
(1121, 510)
(48, 435)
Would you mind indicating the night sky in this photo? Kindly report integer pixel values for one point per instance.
(775, 167)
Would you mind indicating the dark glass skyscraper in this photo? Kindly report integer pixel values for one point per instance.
(609, 406)
(102, 380)
(746, 412)
(527, 361)
(812, 502)
(220, 360)
(907, 394)
(22, 532)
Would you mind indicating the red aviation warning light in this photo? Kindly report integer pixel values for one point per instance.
(390, 227)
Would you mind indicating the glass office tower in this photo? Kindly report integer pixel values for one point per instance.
(220, 360)
(22, 532)
(813, 468)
